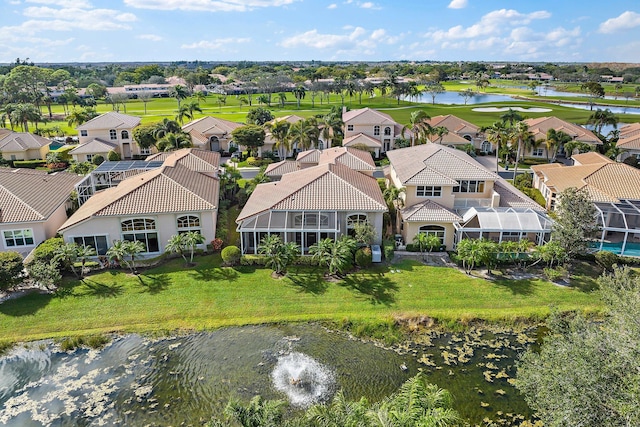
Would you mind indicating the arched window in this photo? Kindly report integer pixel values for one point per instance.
(376, 130)
(113, 135)
(311, 220)
(387, 131)
(124, 134)
(141, 230)
(188, 223)
(433, 230)
(467, 137)
(353, 220)
(485, 147)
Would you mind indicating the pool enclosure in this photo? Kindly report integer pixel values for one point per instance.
(619, 225)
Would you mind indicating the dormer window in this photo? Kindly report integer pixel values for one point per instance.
(113, 135)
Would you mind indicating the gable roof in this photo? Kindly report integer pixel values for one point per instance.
(22, 141)
(353, 158)
(511, 197)
(368, 116)
(170, 188)
(110, 120)
(31, 195)
(436, 162)
(362, 139)
(96, 145)
(308, 156)
(280, 168)
(429, 211)
(291, 118)
(454, 124)
(193, 158)
(590, 158)
(330, 186)
(539, 127)
(208, 126)
(629, 137)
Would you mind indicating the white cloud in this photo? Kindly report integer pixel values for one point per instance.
(368, 5)
(457, 4)
(64, 3)
(625, 21)
(220, 44)
(357, 40)
(152, 37)
(332, 6)
(207, 5)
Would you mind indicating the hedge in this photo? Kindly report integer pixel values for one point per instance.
(29, 164)
(389, 248)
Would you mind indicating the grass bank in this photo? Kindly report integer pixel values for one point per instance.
(173, 297)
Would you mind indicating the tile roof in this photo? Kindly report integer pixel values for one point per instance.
(280, 168)
(324, 187)
(22, 141)
(170, 188)
(511, 197)
(454, 124)
(291, 118)
(207, 126)
(629, 137)
(590, 158)
(539, 127)
(30, 195)
(96, 145)
(110, 120)
(449, 162)
(362, 139)
(368, 115)
(630, 130)
(450, 138)
(308, 156)
(353, 158)
(429, 211)
(195, 159)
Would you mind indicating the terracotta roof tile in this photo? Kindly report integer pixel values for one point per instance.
(368, 115)
(96, 145)
(353, 158)
(111, 120)
(541, 125)
(590, 158)
(363, 139)
(280, 168)
(22, 141)
(429, 211)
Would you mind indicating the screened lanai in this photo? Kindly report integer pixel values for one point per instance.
(110, 174)
(305, 228)
(503, 224)
(619, 227)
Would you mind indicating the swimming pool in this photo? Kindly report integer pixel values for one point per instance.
(631, 249)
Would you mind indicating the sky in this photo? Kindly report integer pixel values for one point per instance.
(60, 31)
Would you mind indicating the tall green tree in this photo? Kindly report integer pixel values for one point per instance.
(419, 126)
(523, 139)
(179, 92)
(259, 116)
(250, 136)
(555, 140)
(498, 135)
(601, 118)
(280, 132)
(336, 255)
(299, 92)
(586, 372)
(575, 221)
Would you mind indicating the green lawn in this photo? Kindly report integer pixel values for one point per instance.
(173, 297)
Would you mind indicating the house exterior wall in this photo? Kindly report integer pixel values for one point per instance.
(368, 129)
(54, 221)
(30, 154)
(119, 141)
(39, 236)
(410, 229)
(166, 226)
(83, 157)
(447, 199)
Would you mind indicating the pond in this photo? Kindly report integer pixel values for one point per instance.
(453, 98)
(136, 380)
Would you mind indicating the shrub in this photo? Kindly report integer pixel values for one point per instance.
(10, 269)
(523, 180)
(216, 244)
(97, 160)
(260, 260)
(231, 255)
(46, 250)
(363, 257)
(254, 161)
(113, 156)
(29, 164)
(606, 260)
(44, 274)
(555, 274)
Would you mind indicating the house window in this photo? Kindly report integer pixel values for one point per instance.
(470, 186)
(350, 128)
(99, 243)
(428, 191)
(387, 131)
(311, 220)
(89, 157)
(537, 152)
(485, 147)
(124, 134)
(145, 151)
(83, 133)
(376, 130)
(16, 238)
(433, 230)
(188, 223)
(113, 135)
(141, 230)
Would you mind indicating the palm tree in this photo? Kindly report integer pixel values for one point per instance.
(299, 92)
(192, 107)
(174, 141)
(183, 112)
(177, 244)
(279, 254)
(337, 255)
(25, 113)
(200, 96)
(179, 92)
(66, 256)
(555, 140)
(438, 131)
(523, 138)
(117, 252)
(418, 125)
(165, 127)
(280, 132)
(299, 135)
(133, 248)
(282, 99)
(498, 135)
(192, 240)
(600, 118)
(83, 253)
(511, 116)
(221, 100)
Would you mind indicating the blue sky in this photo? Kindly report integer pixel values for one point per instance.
(380, 30)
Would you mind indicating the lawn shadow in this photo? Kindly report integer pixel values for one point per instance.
(517, 287)
(26, 305)
(311, 282)
(212, 274)
(378, 288)
(154, 284)
(93, 288)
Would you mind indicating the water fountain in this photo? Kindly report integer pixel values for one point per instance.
(304, 380)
